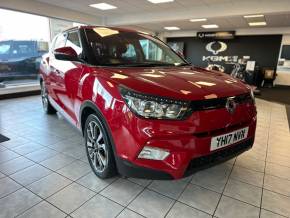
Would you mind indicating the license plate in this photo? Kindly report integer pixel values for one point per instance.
(228, 139)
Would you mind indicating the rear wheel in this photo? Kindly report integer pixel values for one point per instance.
(98, 147)
(47, 107)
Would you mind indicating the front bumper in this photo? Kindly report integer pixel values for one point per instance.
(129, 169)
(187, 141)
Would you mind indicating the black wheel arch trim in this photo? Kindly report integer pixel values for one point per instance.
(91, 105)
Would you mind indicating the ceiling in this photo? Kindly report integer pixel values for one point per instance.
(141, 14)
(225, 23)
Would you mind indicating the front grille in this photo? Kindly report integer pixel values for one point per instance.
(218, 156)
(215, 103)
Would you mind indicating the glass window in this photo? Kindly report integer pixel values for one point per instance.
(23, 49)
(114, 47)
(74, 42)
(60, 41)
(5, 48)
(130, 53)
(24, 39)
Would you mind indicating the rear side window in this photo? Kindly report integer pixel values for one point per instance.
(60, 41)
(73, 41)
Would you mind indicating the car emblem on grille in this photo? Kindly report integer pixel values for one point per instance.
(231, 105)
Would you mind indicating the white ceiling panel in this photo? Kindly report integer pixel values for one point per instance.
(228, 14)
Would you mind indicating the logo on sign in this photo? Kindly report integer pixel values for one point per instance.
(211, 47)
(231, 105)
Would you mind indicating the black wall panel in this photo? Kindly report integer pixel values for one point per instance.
(262, 49)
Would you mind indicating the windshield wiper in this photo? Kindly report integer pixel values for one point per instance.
(183, 64)
(148, 65)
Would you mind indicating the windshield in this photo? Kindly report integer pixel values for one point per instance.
(117, 48)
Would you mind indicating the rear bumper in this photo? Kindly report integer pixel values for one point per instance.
(129, 169)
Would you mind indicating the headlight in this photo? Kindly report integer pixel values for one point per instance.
(149, 106)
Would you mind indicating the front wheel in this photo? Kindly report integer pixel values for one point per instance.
(47, 107)
(98, 147)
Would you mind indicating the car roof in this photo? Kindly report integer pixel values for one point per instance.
(113, 28)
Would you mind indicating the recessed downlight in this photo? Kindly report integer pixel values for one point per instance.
(210, 26)
(172, 28)
(257, 24)
(103, 6)
(198, 20)
(160, 1)
(253, 16)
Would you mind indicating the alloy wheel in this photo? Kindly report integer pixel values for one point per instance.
(97, 149)
(44, 96)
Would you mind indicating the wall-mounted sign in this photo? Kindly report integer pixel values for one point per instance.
(262, 49)
(211, 47)
(216, 35)
(217, 49)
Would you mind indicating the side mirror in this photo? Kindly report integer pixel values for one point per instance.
(65, 54)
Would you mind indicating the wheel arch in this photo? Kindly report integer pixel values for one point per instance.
(88, 107)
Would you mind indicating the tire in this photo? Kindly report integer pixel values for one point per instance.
(99, 148)
(47, 107)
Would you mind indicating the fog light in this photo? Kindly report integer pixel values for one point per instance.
(153, 153)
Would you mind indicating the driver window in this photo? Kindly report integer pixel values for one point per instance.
(130, 53)
(60, 41)
(73, 41)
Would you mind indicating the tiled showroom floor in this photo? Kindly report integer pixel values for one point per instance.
(44, 173)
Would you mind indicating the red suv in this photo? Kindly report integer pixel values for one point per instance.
(142, 109)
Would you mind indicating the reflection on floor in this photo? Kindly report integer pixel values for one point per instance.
(44, 173)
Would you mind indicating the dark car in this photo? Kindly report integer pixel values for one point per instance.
(20, 59)
(142, 109)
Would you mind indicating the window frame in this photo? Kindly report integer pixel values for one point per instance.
(56, 37)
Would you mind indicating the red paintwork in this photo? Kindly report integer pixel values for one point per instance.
(67, 51)
(75, 83)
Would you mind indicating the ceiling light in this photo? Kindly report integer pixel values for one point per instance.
(253, 16)
(210, 26)
(257, 24)
(159, 1)
(198, 20)
(172, 28)
(103, 6)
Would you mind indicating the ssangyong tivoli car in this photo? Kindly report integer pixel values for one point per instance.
(142, 109)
